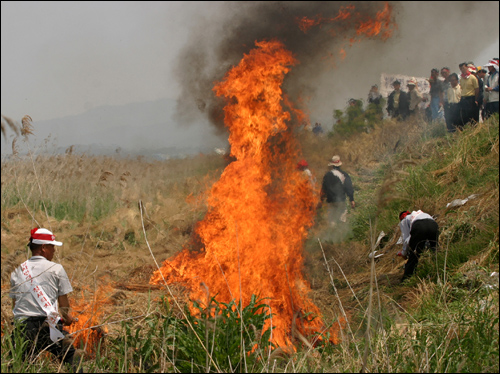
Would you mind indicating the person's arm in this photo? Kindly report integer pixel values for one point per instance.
(322, 193)
(405, 231)
(490, 82)
(496, 88)
(476, 89)
(63, 302)
(349, 190)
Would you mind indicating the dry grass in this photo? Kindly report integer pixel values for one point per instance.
(368, 149)
(8, 123)
(112, 249)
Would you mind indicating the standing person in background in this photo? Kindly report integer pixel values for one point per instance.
(473, 70)
(317, 129)
(397, 103)
(306, 193)
(491, 89)
(352, 102)
(420, 232)
(436, 92)
(414, 96)
(454, 95)
(445, 73)
(38, 286)
(375, 103)
(374, 96)
(303, 166)
(336, 186)
(480, 74)
(469, 96)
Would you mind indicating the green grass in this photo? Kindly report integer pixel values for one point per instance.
(450, 322)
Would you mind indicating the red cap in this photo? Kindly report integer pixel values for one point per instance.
(402, 215)
(302, 164)
(43, 236)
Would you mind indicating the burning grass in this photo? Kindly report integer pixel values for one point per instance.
(409, 323)
(89, 307)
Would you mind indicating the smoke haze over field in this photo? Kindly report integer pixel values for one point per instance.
(427, 35)
(61, 59)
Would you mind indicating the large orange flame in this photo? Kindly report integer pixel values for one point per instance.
(260, 209)
(89, 313)
(306, 23)
(380, 25)
(250, 241)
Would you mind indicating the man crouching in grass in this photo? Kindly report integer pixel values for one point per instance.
(38, 285)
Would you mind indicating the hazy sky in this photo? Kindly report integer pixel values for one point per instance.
(62, 58)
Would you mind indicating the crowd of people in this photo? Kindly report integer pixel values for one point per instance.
(466, 98)
(458, 100)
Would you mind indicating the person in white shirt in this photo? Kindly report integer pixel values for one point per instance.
(491, 89)
(420, 231)
(452, 111)
(39, 292)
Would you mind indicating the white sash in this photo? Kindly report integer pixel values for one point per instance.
(44, 302)
(339, 175)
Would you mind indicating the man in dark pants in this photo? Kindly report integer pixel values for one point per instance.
(420, 232)
(336, 186)
(39, 292)
(36, 331)
(469, 109)
(398, 105)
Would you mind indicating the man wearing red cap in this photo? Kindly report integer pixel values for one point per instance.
(39, 292)
(420, 232)
(303, 166)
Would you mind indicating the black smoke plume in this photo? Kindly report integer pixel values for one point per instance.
(205, 61)
(425, 35)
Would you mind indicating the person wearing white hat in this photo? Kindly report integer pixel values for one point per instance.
(336, 186)
(491, 90)
(39, 292)
(414, 96)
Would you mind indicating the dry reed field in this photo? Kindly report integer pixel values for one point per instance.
(119, 218)
(96, 199)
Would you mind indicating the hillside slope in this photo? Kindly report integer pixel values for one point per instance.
(117, 217)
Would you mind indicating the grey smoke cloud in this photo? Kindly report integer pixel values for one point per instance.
(63, 59)
(428, 35)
